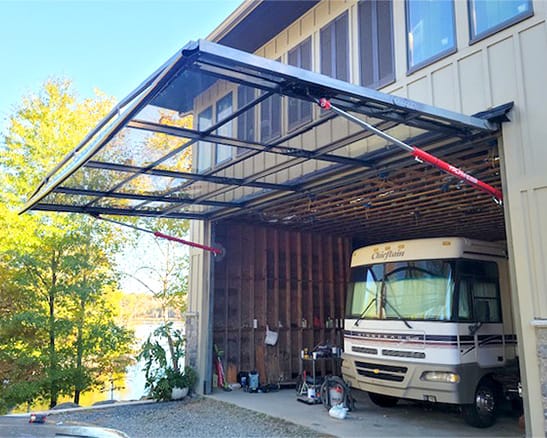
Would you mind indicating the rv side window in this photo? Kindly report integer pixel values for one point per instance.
(479, 296)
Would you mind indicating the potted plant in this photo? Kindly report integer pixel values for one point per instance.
(165, 379)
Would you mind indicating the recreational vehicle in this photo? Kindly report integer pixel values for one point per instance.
(430, 320)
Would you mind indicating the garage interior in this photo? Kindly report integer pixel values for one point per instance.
(287, 209)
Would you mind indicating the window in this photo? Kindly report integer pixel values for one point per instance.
(489, 16)
(205, 148)
(335, 48)
(246, 121)
(479, 297)
(223, 110)
(430, 31)
(376, 43)
(300, 111)
(270, 118)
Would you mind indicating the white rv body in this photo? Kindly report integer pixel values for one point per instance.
(407, 352)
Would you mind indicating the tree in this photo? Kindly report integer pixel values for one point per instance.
(58, 333)
(165, 276)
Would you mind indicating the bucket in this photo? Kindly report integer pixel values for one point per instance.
(253, 381)
(311, 393)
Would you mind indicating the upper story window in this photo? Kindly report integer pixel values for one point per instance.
(246, 121)
(489, 16)
(430, 31)
(223, 110)
(299, 111)
(335, 48)
(205, 148)
(270, 118)
(376, 63)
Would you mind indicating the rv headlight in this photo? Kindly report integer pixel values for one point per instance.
(440, 376)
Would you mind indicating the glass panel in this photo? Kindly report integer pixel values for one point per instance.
(431, 31)
(180, 94)
(413, 290)
(488, 16)
(204, 148)
(479, 281)
(165, 116)
(136, 147)
(342, 48)
(151, 185)
(95, 179)
(386, 64)
(270, 118)
(334, 48)
(62, 199)
(223, 110)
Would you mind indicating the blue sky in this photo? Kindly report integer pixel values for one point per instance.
(110, 45)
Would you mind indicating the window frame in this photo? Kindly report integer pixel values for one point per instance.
(434, 58)
(474, 38)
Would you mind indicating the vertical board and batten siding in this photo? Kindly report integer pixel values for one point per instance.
(291, 282)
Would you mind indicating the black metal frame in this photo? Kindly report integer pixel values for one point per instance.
(219, 194)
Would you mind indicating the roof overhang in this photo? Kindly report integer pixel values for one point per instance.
(261, 19)
(133, 163)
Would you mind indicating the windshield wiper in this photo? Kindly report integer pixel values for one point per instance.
(364, 312)
(386, 301)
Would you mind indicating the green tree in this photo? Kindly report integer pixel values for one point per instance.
(57, 334)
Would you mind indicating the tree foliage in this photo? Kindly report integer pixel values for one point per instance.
(57, 329)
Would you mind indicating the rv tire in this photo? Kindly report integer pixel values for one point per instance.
(382, 400)
(482, 412)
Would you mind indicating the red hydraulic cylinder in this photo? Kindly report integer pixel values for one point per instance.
(418, 153)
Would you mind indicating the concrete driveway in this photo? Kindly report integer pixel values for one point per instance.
(369, 420)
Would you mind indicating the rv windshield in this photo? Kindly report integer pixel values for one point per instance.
(415, 290)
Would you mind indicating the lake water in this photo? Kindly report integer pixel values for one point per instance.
(130, 387)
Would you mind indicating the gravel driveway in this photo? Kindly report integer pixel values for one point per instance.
(191, 417)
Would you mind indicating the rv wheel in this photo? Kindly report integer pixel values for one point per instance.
(482, 412)
(384, 401)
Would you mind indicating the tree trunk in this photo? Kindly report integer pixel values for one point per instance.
(53, 388)
(52, 359)
(79, 353)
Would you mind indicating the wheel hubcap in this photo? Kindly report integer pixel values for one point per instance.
(485, 403)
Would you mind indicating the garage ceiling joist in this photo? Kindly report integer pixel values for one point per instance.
(262, 151)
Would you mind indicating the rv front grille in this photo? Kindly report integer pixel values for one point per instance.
(381, 371)
(381, 376)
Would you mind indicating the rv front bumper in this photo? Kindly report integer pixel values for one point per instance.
(454, 384)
